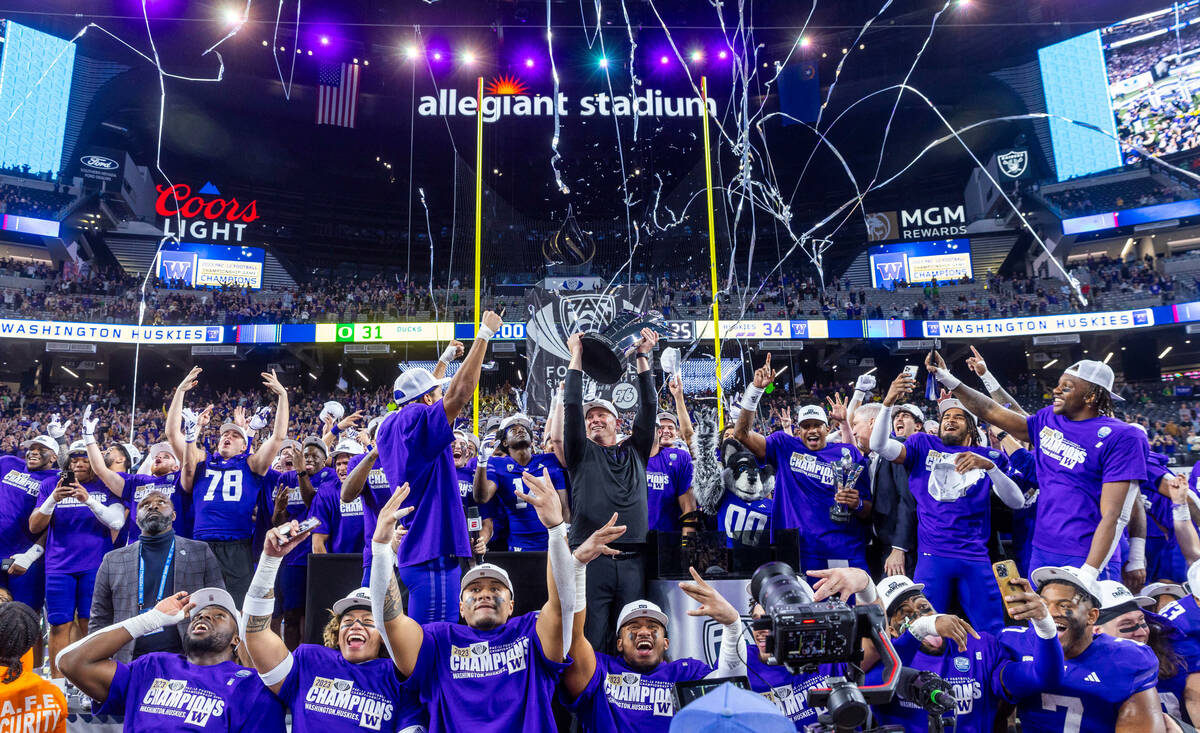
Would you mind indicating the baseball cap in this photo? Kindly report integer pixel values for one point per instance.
(316, 443)
(159, 448)
(894, 589)
(332, 409)
(812, 412)
(1069, 575)
(730, 709)
(235, 428)
(666, 416)
(641, 609)
(358, 598)
(412, 383)
(519, 418)
(349, 447)
(468, 436)
(43, 440)
(605, 404)
(133, 456)
(950, 402)
(293, 444)
(485, 570)
(911, 409)
(206, 597)
(77, 448)
(1154, 590)
(1096, 372)
(373, 425)
(1116, 600)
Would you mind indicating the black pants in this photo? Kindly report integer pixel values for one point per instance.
(237, 565)
(612, 582)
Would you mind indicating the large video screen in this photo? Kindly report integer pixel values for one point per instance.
(35, 87)
(211, 266)
(1138, 80)
(944, 260)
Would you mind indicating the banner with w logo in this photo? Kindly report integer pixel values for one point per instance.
(177, 266)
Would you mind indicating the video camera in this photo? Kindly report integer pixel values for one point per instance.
(803, 633)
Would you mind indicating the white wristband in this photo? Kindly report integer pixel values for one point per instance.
(448, 354)
(558, 530)
(149, 622)
(1181, 513)
(990, 383)
(1137, 554)
(1089, 572)
(89, 439)
(948, 380)
(48, 505)
(26, 559)
(580, 586)
(1044, 627)
(924, 626)
(751, 397)
(280, 673)
(485, 333)
(866, 595)
(252, 606)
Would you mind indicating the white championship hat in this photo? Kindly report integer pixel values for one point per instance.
(811, 412)
(1113, 595)
(1043, 575)
(206, 597)
(485, 570)
(43, 440)
(896, 588)
(358, 598)
(518, 418)
(332, 409)
(318, 444)
(603, 404)
(641, 609)
(911, 409)
(1096, 372)
(1154, 590)
(412, 383)
(235, 428)
(349, 446)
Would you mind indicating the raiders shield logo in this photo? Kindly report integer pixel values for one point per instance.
(342, 685)
(583, 313)
(1013, 163)
(479, 649)
(177, 685)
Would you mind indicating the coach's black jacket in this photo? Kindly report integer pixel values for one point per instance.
(894, 511)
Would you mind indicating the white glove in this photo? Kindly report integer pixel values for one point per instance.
(486, 450)
(89, 424)
(56, 429)
(670, 361)
(259, 420)
(191, 425)
(865, 383)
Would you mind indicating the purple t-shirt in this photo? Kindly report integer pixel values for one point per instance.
(805, 483)
(414, 447)
(375, 493)
(138, 485)
(19, 491)
(619, 698)
(498, 680)
(787, 691)
(1074, 458)
(296, 508)
(77, 539)
(953, 509)
(161, 692)
(526, 533)
(341, 520)
(668, 477)
(328, 694)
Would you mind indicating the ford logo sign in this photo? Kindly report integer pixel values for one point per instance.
(99, 161)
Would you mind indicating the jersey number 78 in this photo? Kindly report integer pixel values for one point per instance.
(231, 485)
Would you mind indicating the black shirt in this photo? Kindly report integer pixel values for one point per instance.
(154, 550)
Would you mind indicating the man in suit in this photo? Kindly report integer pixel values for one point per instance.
(894, 513)
(134, 578)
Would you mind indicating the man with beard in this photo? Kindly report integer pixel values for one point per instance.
(668, 477)
(807, 472)
(1089, 465)
(163, 476)
(952, 479)
(202, 689)
(981, 671)
(20, 482)
(227, 487)
(493, 672)
(1107, 684)
(466, 451)
(132, 579)
(341, 527)
(632, 691)
(499, 476)
(345, 684)
(82, 517)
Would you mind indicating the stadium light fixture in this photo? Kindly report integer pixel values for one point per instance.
(1108, 358)
(697, 56)
(805, 41)
(359, 373)
(602, 62)
(68, 371)
(468, 57)
(663, 60)
(1050, 363)
(324, 40)
(314, 376)
(410, 52)
(1165, 351)
(528, 63)
(231, 15)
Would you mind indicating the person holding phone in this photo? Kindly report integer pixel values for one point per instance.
(952, 478)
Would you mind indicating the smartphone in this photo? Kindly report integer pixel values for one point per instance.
(66, 477)
(285, 532)
(5, 564)
(1006, 572)
(911, 371)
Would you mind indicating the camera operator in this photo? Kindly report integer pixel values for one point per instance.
(982, 673)
(1107, 684)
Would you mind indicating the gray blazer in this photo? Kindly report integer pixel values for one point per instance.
(115, 597)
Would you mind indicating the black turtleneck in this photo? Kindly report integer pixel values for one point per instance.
(154, 550)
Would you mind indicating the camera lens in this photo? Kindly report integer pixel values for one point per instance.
(776, 584)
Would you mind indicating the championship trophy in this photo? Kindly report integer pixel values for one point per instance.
(605, 351)
(845, 474)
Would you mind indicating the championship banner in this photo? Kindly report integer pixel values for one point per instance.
(554, 316)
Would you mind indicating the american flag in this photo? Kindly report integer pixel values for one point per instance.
(337, 101)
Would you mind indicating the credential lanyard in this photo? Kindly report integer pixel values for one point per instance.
(162, 581)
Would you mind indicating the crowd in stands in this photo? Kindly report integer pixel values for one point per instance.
(1111, 197)
(34, 202)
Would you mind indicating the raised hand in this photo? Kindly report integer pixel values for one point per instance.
(353, 418)
(575, 343)
(88, 422)
(390, 515)
(239, 417)
(191, 425)
(542, 495)
(176, 605)
(56, 429)
(260, 419)
(647, 341)
(837, 407)
(953, 627)
(976, 363)
(597, 544)
(675, 385)
(840, 582)
(492, 320)
(1177, 489)
(934, 362)
(865, 383)
(712, 603)
(191, 380)
(1025, 605)
(271, 382)
(205, 417)
(900, 388)
(764, 375)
